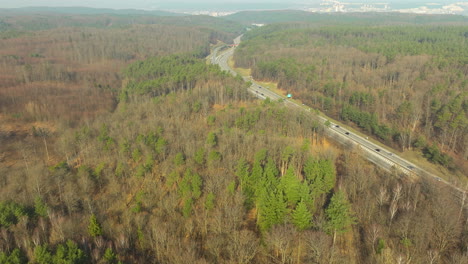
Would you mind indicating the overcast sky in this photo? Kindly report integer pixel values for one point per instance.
(117, 4)
(157, 4)
(88, 3)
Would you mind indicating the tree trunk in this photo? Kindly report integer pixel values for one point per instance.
(47, 150)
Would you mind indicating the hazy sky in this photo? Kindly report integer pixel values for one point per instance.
(157, 4)
(117, 4)
(88, 3)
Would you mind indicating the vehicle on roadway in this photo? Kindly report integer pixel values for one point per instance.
(403, 163)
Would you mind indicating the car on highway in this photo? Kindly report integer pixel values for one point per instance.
(337, 126)
(410, 167)
(377, 149)
(347, 133)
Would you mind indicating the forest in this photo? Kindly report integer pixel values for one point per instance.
(70, 73)
(368, 18)
(122, 145)
(406, 85)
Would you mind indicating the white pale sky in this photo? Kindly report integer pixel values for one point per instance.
(116, 4)
(157, 4)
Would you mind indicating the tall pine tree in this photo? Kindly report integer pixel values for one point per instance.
(272, 209)
(291, 186)
(94, 228)
(270, 176)
(339, 215)
(301, 216)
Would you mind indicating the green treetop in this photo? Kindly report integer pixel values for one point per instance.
(339, 215)
(94, 228)
(301, 216)
(291, 186)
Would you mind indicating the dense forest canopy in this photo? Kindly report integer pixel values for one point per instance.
(203, 174)
(69, 59)
(35, 22)
(369, 18)
(120, 144)
(404, 84)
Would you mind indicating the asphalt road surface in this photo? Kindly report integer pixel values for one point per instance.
(378, 155)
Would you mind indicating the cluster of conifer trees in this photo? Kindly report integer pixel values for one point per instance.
(189, 168)
(404, 84)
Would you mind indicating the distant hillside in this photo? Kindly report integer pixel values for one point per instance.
(268, 17)
(41, 20)
(84, 11)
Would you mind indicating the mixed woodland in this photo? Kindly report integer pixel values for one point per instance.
(405, 85)
(120, 144)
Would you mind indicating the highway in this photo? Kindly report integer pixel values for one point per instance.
(381, 156)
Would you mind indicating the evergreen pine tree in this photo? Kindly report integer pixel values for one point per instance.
(281, 207)
(69, 253)
(42, 255)
(94, 228)
(261, 156)
(291, 186)
(179, 159)
(109, 256)
(256, 178)
(321, 175)
(272, 209)
(40, 208)
(210, 201)
(246, 181)
(200, 156)
(187, 209)
(15, 257)
(328, 175)
(339, 215)
(242, 172)
(196, 182)
(306, 197)
(270, 175)
(311, 170)
(212, 139)
(301, 216)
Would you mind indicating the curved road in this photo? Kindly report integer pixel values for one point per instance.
(374, 153)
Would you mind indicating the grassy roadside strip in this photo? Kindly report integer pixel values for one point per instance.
(412, 156)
